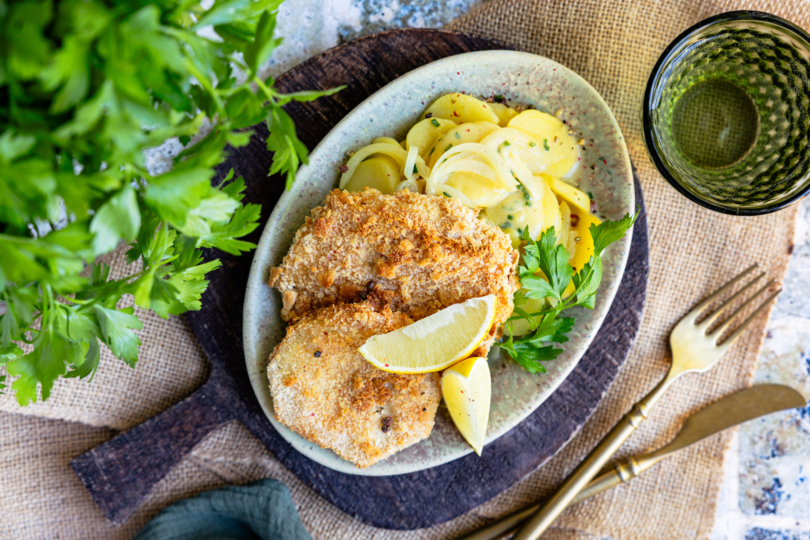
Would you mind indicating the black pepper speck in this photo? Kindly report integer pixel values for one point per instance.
(386, 424)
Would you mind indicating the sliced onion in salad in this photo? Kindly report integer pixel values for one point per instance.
(395, 151)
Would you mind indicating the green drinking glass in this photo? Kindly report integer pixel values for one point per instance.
(726, 114)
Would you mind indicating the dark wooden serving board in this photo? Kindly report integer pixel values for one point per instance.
(120, 473)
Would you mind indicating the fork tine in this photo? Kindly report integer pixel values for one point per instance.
(701, 306)
(708, 321)
(729, 320)
(733, 337)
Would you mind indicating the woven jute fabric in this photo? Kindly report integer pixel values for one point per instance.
(613, 44)
(171, 364)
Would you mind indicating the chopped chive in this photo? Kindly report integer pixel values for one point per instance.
(449, 146)
(498, 98)
(510, 216)
(432, 150)
(415, 170)
(458, 135)
(435, 122)
(505, 225)
(446, 194)
(545, 145)
(590, 195)
(506, 143)
(532, 144)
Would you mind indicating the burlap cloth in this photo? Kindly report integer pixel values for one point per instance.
(613, 45)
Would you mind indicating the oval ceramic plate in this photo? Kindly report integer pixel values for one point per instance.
(603, 169)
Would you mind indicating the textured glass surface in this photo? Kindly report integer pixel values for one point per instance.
(729, 113)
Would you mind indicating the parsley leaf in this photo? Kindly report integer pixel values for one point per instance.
(116, 329)
(42, 366)
(117, 218)
(9, 353)
(87, 89)
(545, 274)
(551, 260)
(89, 365)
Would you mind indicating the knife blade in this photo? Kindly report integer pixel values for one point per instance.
(726, 412)
(732, 410)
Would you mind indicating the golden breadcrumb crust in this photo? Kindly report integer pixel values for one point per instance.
(419, 252)
(325, 390)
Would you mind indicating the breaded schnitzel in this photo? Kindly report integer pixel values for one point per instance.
(325, 390)
(419, 252)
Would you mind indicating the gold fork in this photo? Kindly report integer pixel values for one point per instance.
(694, 350)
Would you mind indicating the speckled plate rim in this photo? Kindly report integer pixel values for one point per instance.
(263, 327)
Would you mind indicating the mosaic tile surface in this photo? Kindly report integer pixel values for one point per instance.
(766, 491)
(379, 15)
(764, 534)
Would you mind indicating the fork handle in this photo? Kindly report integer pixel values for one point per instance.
(592, 464)
(623, 472)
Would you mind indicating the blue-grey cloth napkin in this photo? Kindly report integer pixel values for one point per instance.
(262, 510)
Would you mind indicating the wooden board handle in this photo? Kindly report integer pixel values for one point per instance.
(120, 473)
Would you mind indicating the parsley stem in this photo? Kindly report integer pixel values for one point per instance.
(563, 305)
(47, 306)
(79, 302)
(266, 91)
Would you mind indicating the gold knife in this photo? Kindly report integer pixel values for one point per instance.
(724, 413)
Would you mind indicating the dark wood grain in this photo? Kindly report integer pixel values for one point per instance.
(121, 473)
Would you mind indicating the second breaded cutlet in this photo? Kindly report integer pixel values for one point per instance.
(325, 390)
(419, 252)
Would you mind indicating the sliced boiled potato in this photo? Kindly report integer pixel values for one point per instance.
(515, 213)
(569, 193)
(505, 113)
(512, 214)
(482, 191)
(522, 145)
(387, 140)
(552, 136)
(538, 124)
(462, 108)
(565, 228)
(584, 242)
(378, 172)
(424, 134)
(395, 152)
(471, 132)
(551, 209)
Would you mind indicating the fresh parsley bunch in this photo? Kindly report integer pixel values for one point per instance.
(85, 87)
(548, 326)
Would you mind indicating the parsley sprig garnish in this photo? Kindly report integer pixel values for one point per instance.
(545, 274)
(87, 87)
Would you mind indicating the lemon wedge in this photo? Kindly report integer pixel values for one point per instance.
(435, 342)
(467, 389)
